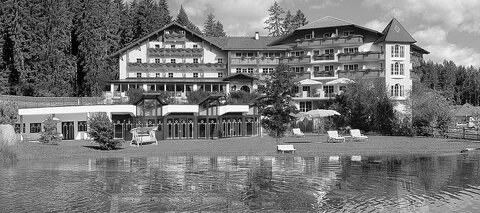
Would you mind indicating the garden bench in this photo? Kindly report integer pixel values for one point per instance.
(144, 134)
(285, 148)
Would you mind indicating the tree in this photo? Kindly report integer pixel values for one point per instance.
(8, 112)
(218, 29)
(277, 104)
(101, 130)
(196, 96)
(298, 20)
(50, 135)
(287, 23)
(182, 19)
(275, 20)
(208, 27)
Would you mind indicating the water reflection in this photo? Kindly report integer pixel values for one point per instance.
(245, 183)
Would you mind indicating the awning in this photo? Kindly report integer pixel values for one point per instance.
(340, 81)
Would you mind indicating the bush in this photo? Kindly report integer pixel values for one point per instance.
(8, 112)
(101, 130)
(49, 135)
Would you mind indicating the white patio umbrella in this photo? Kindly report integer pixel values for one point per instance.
(318, 113)
(53, 121)
(309, 82)
(340, 81)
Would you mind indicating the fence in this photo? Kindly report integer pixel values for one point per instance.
(35, 102)
(464, 133)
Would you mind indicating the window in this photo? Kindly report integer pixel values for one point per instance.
(239, 70)
(397, 90)
(297, 53)
(329, 68)
(316, 52)
(35, 127)
(349, 32)
(308, 36)
(244, 70)
(195, 60)
(195, 46)
(277, 54)
(297, 69)
(157, 75)
(267, 70)
(172, 46)
(316, 69)
(398, 51)
(157, 60)
(328, 51)
(397, 69)
(157, 46)
(250, 54)
(250, 70)
(350, 49)
(305, 106)
(170, 74)
(295, 89)
(139, 74)
(238, 55)
(195, 74)
(220, 74)
(328, 90)
(220, 60)
(82, 126)
(139, 60)
(327, 35)
(172, 61)
(350, 67)
(270, 55)
(17, 128)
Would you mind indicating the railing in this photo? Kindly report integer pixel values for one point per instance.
(470, 133)
(361, 56)
(305, 59)
(323, 57)
(255, 61)
(338, 40)
(244, 60)
(323, 73)
(175, 51)
(174, 66)
(321, 95)
(35, 102)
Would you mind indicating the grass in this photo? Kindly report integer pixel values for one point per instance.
(7, 154)
(311, 145)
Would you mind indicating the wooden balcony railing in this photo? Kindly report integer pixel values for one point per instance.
(361, 56)
(175, 66)
(338, 40)
(175, 52)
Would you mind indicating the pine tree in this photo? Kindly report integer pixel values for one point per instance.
(208, 27)
(182, 19)
(218, 29)
(275, 21)
(298, 20)
(166, 18)
(287, 23)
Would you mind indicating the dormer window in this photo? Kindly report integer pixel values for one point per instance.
(139, 60)
(220, 60)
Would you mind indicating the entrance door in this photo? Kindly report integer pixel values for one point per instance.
(67, 130)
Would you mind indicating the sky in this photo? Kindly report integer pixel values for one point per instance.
(448, 29)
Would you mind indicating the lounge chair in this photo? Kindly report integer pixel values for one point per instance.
(285, 148)
(297, 132)
(334, 137)
(356, 135)
(142, 135)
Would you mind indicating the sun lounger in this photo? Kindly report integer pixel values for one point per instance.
(285, 148)
(142, 135)
(356, 135)
(334, 137)
(297, 132)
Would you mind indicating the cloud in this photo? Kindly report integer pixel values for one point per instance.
(377, 25)
(326, 4)
(239, 18)
(435, 40)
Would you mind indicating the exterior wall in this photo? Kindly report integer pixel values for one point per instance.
(404, 80)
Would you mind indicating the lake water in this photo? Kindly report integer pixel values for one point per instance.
(447, 183)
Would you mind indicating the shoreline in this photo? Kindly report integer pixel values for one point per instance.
(252, 146)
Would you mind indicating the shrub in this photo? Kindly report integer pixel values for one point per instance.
(49, 135)
(101, 130)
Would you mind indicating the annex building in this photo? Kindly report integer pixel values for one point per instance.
(327, 54)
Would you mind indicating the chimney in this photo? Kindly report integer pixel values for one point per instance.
(256, 36)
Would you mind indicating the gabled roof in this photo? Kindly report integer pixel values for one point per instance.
(325, 22)
(140, 40)
(395, 32)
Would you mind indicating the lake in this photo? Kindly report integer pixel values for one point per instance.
(439, 183)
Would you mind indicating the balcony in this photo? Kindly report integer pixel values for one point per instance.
(318, 95)
(164, 52)
(361, 56)
(174, 37)
(303, 59)
(145, 67)
(362, 73)
(331, 41)
(244, 61)
(324, 57)
(324, 74)
(268, 60)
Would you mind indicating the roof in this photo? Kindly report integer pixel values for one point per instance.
(211, 97)
(246, 43)
(140, 40)
(467, 110)
(324, 22)
(419, 49)
(395, 32)
(167, 80)
(239, 76)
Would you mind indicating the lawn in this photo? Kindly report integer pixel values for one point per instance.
(311, 145)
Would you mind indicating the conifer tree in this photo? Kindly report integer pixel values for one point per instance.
(208, 27)
(298, 20)
(218, 29)
(275, 21)
(182, 19)
(287, 23)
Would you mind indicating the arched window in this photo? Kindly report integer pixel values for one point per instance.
(397, 90)
(397, 68)
(398, 51)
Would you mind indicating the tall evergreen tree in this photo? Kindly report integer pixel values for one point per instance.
(275, 21)
(208, 27)
(182, 19)
(287, 23)
(298, 20)
(219, 32)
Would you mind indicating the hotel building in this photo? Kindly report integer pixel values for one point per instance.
(327, 54)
